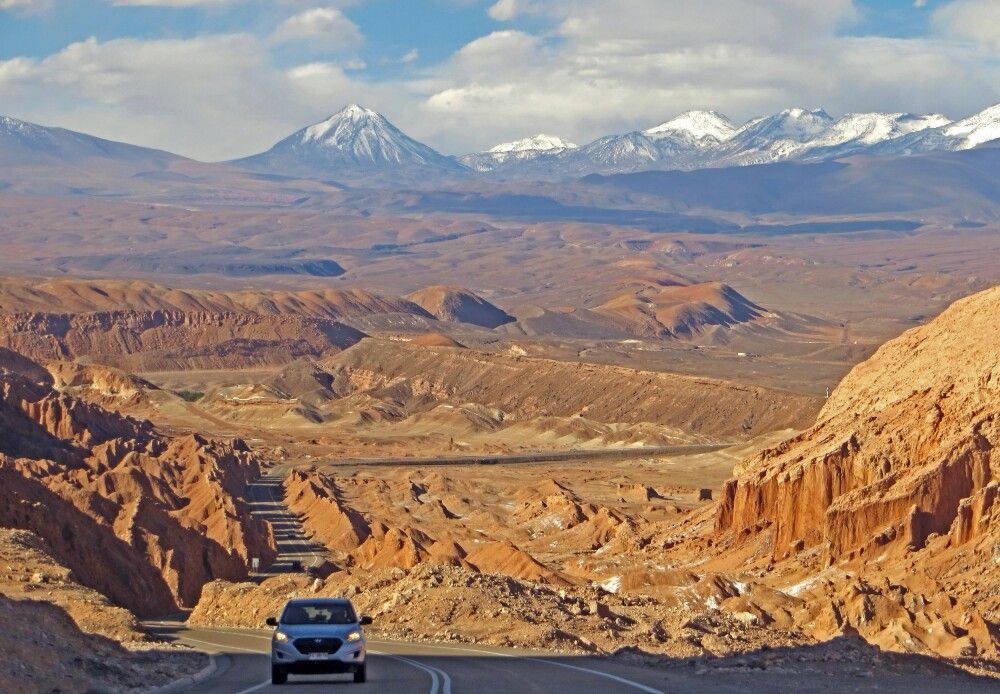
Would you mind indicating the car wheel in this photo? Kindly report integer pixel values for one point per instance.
(361, 674)
(278, 676)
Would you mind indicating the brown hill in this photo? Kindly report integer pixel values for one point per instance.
(435, 340)
(461, 305)
(672, 311)
(88, 296)
(165, 340)
(142, 518)
(402, 375)
(141, 326)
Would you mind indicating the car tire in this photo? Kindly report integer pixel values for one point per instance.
(278, 675)
(361, 674)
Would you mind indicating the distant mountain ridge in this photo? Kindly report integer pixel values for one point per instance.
(357, 142)
(22, 142)
(707, 139)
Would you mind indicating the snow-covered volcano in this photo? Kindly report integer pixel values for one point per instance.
(353, 140)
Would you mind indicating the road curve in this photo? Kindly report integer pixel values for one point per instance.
(573, 455)
(415, 668)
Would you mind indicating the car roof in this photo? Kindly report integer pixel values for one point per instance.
(318, 601)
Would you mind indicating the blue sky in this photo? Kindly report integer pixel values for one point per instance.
(465, 74)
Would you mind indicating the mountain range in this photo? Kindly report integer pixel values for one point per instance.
(358, 142)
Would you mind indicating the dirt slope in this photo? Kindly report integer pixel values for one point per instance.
(160, 340)
(461, 305)
(60, 636)
(529, 388)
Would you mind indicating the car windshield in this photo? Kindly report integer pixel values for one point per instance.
(319, 613)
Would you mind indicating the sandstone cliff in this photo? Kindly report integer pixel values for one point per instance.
(140, 517)
(883, 517)
(906, 447)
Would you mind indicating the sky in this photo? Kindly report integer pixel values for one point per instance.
(219, 79)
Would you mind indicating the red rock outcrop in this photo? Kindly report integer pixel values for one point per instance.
(905, 448)
(143, 518)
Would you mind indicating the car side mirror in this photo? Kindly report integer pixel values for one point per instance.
(365, 621)
(271, 622)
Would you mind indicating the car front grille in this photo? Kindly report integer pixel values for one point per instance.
(317, 645)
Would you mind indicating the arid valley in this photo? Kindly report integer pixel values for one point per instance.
(707, 406)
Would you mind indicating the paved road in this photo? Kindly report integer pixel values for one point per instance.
(266, 494)
(406, 667)
(267, 503)
(244, 667)
(586, 454)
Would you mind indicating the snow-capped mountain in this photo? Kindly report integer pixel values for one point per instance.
(629, 152)
(538, 143)
(964, 134)
(517, 151)
(975, 130)
(703, 128)
(354, 140)
(774, 138)
(700, 139)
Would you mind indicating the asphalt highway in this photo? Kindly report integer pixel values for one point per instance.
(244, 667)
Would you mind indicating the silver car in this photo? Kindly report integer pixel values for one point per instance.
(318, 636)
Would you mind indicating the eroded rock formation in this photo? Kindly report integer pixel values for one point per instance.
(143, 518)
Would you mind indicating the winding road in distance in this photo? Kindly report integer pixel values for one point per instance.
(242, 656)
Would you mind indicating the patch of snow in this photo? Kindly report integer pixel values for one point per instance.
(703, 126)
(538, 143)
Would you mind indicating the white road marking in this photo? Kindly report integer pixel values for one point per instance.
(607, 675)
(433, 671)
(438, 677)
(436, 672)
(223, 645)
(255, 687)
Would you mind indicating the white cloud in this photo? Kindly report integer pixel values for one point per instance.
(210, 97)
(173, 3)
(615, 65)
(25, 5)
(506, 10)
(974, 20)
(324, 25)
(602, 66)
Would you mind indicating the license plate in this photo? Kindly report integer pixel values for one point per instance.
(319, 656)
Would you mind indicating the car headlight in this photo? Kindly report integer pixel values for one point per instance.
(354, 636)
(280, 636)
